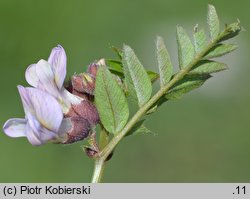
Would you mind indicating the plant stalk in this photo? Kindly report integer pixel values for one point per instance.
(98, 171)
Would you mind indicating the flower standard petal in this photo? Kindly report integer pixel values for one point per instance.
(47, 110)
(58, 60)
(31, 76)
(15, 127)
(46, 78)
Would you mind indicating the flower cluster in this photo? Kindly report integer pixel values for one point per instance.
(52, 112)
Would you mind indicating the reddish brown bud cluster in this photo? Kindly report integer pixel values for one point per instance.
(84, 115)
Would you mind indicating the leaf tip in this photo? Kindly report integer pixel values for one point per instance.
(212, 10)
(196, 28)
(179, 28)
(126, 47)
(159, 38)
(211, 7)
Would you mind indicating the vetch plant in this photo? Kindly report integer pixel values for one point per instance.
(67, 113)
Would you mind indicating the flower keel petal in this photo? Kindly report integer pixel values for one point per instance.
(31, 136)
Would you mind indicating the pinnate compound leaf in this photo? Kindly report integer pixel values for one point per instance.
(220, 50)
(213, 22)
(200, 40)
(110, 101)
(208, 66)
(186, 50)
(136, 77)
(188, 83)
(164, 63)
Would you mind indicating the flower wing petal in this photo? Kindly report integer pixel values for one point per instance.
(47, 110)
(31, 76)
(15, 127)
(58, 60)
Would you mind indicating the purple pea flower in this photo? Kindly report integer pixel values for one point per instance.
(52, 113)
(49, 76)
(43, 118)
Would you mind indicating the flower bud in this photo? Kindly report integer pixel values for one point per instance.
(80, 129)
(84, 83)
(94, 67)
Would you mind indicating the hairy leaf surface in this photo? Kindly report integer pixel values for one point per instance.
(220, 50)
(136, 77)
(213, 22)
(188, 83)
(164, 63)
(110, 101)
(186, 50)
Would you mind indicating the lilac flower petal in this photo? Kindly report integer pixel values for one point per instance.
(31, 76)
(57, 60)
(70, 98)
(46, 78)
(32, 137)
(27, 104)
(39, 132)
(34, 124)
(47, 135)
(15, 127)
(47, 110)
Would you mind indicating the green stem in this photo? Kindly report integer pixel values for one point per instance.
(98, 171)
(100, 164)
(102, 156)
